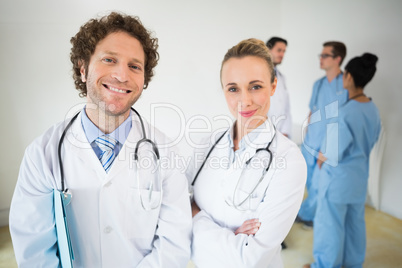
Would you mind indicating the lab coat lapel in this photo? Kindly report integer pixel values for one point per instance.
(77, 142)
(264, 137)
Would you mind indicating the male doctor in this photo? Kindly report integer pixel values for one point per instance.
(110, 222)
(328, 95)
(279, 111)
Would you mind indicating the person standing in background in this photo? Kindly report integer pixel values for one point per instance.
(328, 95)
(339, 226)
(279, 111)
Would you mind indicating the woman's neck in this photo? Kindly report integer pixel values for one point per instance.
(241, 130)
(358, 95)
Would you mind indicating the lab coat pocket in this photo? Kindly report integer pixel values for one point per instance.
(142, 220)
(246, 201)
(255, 201)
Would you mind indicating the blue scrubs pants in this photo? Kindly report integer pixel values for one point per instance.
(309, 205)
(339, 235)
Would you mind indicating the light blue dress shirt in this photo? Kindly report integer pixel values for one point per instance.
(92, 132)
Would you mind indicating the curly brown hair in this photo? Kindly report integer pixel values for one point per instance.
(251, 47)
(95, 30)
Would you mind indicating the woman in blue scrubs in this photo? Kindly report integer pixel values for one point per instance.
(339, 226)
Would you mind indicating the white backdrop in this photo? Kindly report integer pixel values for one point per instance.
(38, 90)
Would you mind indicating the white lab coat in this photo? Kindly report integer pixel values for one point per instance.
(279, 110)
(108, 226)
(277, 198)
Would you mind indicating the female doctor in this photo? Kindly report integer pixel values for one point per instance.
(250, 185)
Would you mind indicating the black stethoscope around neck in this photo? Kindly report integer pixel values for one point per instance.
(239, 204)
(141, 141)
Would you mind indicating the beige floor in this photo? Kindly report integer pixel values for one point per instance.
(384, 244)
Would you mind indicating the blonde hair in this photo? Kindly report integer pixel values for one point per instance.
(251, 47)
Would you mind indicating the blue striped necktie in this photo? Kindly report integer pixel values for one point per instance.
(106, 144)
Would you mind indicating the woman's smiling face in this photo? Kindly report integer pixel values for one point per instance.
(247, 86)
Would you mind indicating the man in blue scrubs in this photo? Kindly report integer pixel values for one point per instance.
(279, 111)
(328, 95)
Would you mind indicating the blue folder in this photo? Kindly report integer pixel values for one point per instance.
(66, 255)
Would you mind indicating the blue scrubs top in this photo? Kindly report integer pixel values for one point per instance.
(324, 104)
(344, 175)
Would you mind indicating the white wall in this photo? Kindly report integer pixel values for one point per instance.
(37, 88)
(364, 26)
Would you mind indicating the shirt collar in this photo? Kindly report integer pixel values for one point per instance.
(92, 132)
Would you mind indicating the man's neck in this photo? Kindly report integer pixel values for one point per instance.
(105, 122)
(333, 73)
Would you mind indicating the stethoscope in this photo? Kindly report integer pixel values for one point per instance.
(320, 86)
(239, 205)
(154, 204)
